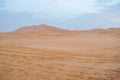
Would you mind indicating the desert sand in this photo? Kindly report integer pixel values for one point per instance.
(48, 53)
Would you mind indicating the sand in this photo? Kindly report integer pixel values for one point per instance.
(66, 55)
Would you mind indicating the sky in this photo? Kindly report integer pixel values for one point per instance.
(66, 14)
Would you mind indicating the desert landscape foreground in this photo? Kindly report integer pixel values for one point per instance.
(48, 53)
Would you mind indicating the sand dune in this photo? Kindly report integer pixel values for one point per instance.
(40, 28)
(48, 53)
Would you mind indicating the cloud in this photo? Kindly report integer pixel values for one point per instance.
(58, 8)
(115, 20)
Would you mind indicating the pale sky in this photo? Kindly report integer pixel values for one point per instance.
(67, 14)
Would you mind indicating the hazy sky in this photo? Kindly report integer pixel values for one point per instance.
(68, 14)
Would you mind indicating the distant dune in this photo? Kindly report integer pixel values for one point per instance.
(40, 28)
(43, 52)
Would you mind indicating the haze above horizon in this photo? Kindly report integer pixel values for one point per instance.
(66, 14)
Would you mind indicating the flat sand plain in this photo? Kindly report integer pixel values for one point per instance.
(59, 56)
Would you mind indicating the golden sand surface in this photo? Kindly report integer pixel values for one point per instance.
(75, 55)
